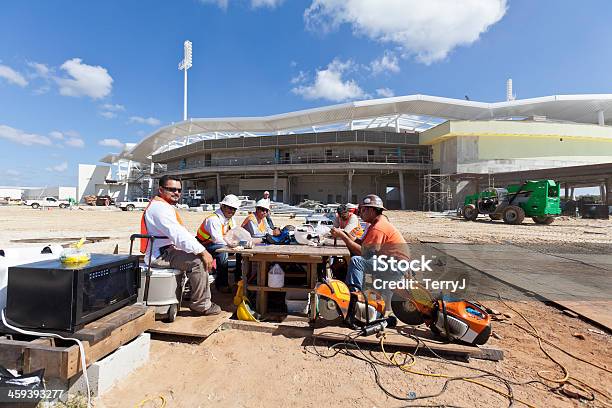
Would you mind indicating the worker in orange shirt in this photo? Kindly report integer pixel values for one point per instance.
(380, 237)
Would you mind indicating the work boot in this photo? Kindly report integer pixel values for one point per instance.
(211, 311)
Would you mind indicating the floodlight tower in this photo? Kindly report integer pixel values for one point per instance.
(184, 65)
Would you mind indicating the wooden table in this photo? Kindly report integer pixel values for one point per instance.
(264, 255)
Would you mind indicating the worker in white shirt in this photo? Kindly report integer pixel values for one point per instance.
(266, 198)
(180, 250)
(212, 233)
(256, 224)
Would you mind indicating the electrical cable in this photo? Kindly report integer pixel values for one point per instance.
(567, 379)
(79, 343)
(144, 401)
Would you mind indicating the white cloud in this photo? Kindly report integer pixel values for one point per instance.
(108, 115)
(75, 142)
(12, 173)
(146, 121)
(86, 80)
(388, 62)
(428, 30)
(329, 84)
(266, 3)
(12, 76)
(60, 168)
(301, 77)
(223, 4)
(21, 137)
(113, 107)
(41, 70)
(57, 135)
(385, 92)
(111, 143)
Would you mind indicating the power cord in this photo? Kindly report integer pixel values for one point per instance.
(79, 343)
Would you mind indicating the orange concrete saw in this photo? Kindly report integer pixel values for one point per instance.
(454, 319)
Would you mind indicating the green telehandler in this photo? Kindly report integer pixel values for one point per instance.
(538, 199)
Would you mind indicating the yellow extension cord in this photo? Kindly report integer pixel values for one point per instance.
(143, 402)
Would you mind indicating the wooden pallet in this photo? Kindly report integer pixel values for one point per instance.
(106, 335)
(399, 338)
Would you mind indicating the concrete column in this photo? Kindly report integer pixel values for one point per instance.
(572, 193)
(401, 188)
(566, 192)
(609, 190)
(602, 193)
(275, 185)
(601, 120)
(287, 198)
(349, 190)
(127, 182)
(219, 198)
(397, 127)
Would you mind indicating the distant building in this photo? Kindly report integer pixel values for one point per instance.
(394, 147)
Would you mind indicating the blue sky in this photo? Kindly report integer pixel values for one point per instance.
(77, 78)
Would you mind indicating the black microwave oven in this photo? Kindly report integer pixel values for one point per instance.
(51, 296)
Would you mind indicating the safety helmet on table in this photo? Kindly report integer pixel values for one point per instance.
(372, 200)
(231, 201)
(263, 203)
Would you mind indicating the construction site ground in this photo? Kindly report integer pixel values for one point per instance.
(236, 368)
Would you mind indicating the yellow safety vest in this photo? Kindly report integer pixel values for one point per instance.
(203, 234)
(261, 225)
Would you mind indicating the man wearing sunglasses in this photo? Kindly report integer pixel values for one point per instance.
(180, 250)
(212, 233)
(256, 223)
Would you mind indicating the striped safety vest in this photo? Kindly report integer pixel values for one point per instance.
(357, 231)
(262, 226)
(203, 235)
(143, 225)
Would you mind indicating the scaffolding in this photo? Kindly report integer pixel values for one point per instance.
(437, 195)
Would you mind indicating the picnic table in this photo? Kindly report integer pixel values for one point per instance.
(265, 255)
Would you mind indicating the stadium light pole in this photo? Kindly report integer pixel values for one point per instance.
(184, 65)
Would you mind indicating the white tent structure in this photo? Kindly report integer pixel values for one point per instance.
(412, 112)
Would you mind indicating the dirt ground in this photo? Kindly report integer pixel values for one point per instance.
(235, 368)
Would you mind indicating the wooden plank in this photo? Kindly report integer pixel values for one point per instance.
(292, 250)
(120, 336)
(283, 289)
(398, 338)
(103, 327)
(189, 325)
(31, 356)
(280, 258)
(261, 303)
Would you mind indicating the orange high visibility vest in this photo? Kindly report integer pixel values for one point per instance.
(143, 225)
(357, 231)
(203, 234)
(261, 226)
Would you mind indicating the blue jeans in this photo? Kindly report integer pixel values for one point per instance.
(357, 267)
(221, 280)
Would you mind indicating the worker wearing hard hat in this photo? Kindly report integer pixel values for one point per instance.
(266, 198)
(380, 237)
(212, 234)
(256, 223)
(347, 221)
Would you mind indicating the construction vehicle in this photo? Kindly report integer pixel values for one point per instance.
(538, 199)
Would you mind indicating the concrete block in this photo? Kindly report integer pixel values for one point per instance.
(103, 374)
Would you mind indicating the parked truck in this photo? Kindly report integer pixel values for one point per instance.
(139, 203)
(47, 202)
(538, 199)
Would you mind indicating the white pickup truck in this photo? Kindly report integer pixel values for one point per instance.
(47, 202)
(139, 203)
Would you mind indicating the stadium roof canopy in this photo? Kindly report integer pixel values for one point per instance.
(411, 112)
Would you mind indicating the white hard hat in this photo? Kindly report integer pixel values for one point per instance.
(231, 201)
(263, 203)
